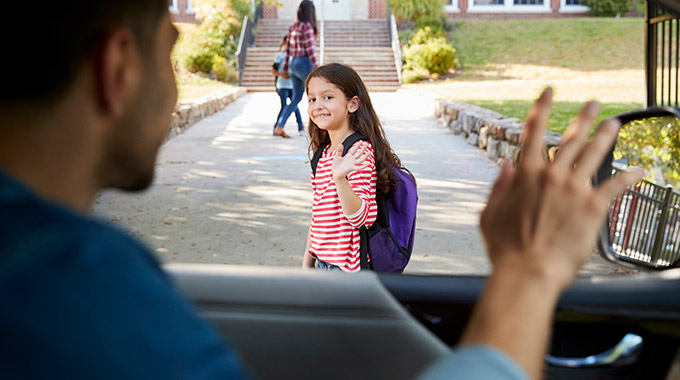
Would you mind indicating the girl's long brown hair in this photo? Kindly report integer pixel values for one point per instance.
(364, 120)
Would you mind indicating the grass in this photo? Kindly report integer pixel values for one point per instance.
(190, 86)
(562, 112)
(506, 64)
(574, 43)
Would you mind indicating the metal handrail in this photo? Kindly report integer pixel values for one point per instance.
(396, 45)
(245, 40)
(322, 42)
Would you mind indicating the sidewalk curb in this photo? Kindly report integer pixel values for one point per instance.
(188, 112)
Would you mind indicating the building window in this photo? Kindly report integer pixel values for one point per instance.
(451, 6)
(190, 7)
(509, 6)
(172, 6)
(572, 6)
(528, 2)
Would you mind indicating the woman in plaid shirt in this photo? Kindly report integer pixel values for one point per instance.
(302, 48)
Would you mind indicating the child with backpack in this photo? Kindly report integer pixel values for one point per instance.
(284, 87)
(353, 171)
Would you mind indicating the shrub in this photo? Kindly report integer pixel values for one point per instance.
(223, 70)
(411, 10)
(197, 50)
(414, 75)
(431, 51)
(424, 35)
(433, 22)
(608, 8)
(209, 48)
(405, 36)
(654, 144)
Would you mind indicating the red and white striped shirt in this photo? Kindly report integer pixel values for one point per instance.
(334, 235)
(301, 42)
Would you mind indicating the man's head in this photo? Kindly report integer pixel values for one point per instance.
(107, 63)
(57, 37)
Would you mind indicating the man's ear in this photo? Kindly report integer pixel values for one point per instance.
(118, 71)
(353, 104)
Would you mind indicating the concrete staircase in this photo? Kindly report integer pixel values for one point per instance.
(362, 44)
(259, 57)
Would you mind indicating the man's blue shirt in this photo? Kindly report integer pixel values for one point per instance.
(83, 300)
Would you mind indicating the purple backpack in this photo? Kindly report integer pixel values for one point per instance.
(389, 241)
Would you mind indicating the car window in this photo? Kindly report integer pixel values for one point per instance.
(229, 192)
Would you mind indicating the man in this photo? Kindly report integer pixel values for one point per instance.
(81, 300)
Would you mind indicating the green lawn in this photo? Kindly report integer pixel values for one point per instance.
(190, 86)
(576, 43)
(507, 62)
(562, 112)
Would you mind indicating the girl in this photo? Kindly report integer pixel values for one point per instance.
(284, 87)
(302, 48)
(345, 187)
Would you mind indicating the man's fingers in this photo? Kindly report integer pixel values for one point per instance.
(623, 180)
(576, 135)
(503, 181)
(532, 139)
(583, 122)
(592, 156)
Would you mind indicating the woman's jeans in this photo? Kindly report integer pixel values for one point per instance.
(284, 94)
(299, 69)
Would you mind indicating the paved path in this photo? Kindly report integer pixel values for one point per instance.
(226, 191)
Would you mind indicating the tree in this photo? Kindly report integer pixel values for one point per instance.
(222, 17)
(654, 144)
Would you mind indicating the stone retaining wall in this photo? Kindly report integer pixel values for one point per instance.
(498, 135)
(190, 111)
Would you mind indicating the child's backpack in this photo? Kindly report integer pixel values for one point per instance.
(389, 241)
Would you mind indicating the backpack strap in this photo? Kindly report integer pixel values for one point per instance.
(350, 140)
(363, 249)
(346, 145)
(315, 158)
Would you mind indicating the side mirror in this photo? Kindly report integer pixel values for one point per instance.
(643, 223)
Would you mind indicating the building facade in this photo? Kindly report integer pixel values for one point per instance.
(182, 10)
(494, 9)
(330, 9)
(456, 9)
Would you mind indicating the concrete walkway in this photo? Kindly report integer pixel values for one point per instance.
(226, 191)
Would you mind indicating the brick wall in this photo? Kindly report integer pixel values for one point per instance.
(554, 7)
(182, 15)
(377, 9)
(270, 12)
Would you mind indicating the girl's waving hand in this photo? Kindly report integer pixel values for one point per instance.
(354, 160)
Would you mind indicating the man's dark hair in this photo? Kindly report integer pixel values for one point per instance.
(43, 54)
